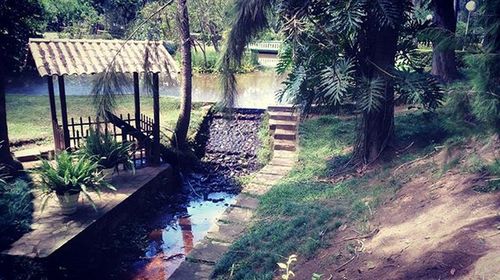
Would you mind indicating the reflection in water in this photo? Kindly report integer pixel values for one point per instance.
(256, 90)
(169, 245)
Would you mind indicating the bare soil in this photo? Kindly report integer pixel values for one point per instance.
(435, 227)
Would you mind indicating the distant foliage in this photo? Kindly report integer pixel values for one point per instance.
(62, 15)
(18, 23)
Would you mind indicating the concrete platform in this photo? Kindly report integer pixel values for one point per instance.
(55, 236)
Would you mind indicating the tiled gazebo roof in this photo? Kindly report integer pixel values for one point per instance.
(68, 56)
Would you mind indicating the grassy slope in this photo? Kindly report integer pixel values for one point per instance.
(297, 214)
(29, 116)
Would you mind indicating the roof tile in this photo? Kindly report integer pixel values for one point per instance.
(76, 57)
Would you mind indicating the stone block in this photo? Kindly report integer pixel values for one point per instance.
(190, 270)
(227, 233)
(208, 251)
(246, 201)
(236, 215)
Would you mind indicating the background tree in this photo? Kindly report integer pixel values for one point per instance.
(182, 126)
(484, 67)
(19, 22)
(444, 63)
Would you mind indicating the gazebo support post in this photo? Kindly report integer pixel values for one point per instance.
(156, 119)
(53, 114)
(64, 111)
(137, 102)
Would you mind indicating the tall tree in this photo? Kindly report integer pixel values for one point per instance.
(182, 126)
(19, 22)
(444, 63)
(338, 53)
(379, 44)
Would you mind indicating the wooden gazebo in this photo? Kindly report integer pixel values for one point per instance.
(60, 57)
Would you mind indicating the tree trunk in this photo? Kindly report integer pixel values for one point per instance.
(378, 51)
(6, 158)
(182, 126)
(444, 63)
(214, 36)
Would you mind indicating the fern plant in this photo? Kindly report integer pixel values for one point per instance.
(337, 67)
(108, 151)
(71, 174)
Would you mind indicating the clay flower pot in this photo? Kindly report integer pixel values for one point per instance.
(68, 202)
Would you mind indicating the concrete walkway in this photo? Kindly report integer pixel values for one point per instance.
(237, 218)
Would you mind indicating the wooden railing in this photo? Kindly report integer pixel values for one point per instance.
(79, 129)
(265, 46)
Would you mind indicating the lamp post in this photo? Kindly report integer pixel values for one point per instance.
(471, 7)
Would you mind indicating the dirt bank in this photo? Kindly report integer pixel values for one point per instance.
(437, 226)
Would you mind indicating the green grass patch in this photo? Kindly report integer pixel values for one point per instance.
(301, 212)
(265, 152)
(298, 212)
(28, 116)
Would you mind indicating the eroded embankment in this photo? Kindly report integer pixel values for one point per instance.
(439, 225)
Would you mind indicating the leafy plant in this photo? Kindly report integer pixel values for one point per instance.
(109, 152)
(15, 210)
(286, 267)
(71, 174)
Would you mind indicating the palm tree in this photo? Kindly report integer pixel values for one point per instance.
(337, 53)
(182, 126)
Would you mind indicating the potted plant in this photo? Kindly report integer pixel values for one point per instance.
(110, 153)
(68, 176)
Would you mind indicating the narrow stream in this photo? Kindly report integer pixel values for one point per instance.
(153, 245)
(169, 244)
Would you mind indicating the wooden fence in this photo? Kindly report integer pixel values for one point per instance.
(79, 129)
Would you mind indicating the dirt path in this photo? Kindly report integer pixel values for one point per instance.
(436, 227)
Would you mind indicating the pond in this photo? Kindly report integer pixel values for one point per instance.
(256, 89)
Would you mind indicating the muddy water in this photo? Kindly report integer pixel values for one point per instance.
(174, 239)
(256, 90)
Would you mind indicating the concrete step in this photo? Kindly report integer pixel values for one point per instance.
(284, 116)
(281, 108)
(287, 155)
(287, 145)
(34, 154)
(285, 125)
(282, 134)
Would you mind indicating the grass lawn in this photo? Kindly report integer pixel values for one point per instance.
(28, 117)
(298, 214)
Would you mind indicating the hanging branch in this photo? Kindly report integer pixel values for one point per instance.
(109, 83)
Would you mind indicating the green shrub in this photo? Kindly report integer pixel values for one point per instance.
(109, 152)
(249, 63)
(202, 66)
(492, 172)
(15, 210)
(71, 174)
